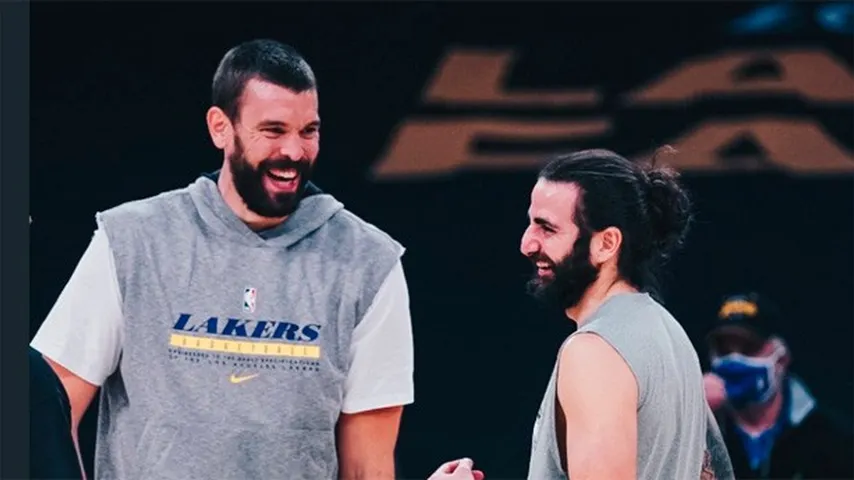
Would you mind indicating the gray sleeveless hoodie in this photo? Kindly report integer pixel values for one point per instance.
(678, 438)
(236, 343)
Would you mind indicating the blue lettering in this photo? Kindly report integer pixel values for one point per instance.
(210, 325)
(286, 330)
(235, 327)
(310, 333)
(264, 329)
(182, 321)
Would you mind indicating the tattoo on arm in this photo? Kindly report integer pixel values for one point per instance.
(708, 473)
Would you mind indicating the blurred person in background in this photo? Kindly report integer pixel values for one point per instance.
(52, 451)
(772, 425)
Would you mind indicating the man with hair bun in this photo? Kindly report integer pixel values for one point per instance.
(626, 397)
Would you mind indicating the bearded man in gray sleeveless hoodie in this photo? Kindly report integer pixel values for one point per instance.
(246, 326)
(626, 397)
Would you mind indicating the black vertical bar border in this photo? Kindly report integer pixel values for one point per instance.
(14, 239)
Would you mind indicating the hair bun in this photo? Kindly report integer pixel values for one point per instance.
(669, 206)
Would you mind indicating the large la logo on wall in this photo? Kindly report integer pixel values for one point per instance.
(800, 140)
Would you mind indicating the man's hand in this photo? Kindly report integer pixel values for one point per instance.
(457, 470)
(715, 391)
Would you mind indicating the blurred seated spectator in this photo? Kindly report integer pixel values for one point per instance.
(772, 425)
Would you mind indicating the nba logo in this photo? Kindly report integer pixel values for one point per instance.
(249, 295)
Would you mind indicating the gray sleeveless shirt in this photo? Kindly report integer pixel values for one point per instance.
(236, 345)
(678, 438)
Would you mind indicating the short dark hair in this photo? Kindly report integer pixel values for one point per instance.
(267, 60)
(645, 202)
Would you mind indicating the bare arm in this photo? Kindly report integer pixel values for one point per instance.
(80, 394)
(598, 395)
(366, 443)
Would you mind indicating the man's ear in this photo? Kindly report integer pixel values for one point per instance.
(219, 127)
(605, 245)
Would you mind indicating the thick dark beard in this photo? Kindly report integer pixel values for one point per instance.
(249, 183)
(571, 277)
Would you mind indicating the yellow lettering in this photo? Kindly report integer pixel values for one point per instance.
(738, 307)
(470, 77)
(428, 148)
(812, 74)
(798, 146)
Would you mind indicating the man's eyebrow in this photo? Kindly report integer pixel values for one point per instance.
(278, 123)
(271, 123)
(544, 223)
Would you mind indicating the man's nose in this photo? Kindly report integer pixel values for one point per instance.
(529, 245)
(291, 148)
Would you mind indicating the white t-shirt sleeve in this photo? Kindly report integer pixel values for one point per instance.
(84, 329)
(382, 351)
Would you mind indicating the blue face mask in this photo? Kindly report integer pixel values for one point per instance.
(748, 380)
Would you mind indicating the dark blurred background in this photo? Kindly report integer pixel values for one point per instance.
(119, 92)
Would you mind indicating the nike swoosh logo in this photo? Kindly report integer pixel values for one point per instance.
(235, 379)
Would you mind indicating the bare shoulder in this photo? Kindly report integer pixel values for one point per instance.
(590, 351)
(588, 360)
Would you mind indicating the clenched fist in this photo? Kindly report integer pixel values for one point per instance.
(457, 470)
(715, 390)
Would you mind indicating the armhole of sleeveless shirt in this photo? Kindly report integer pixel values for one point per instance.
(112, 266)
